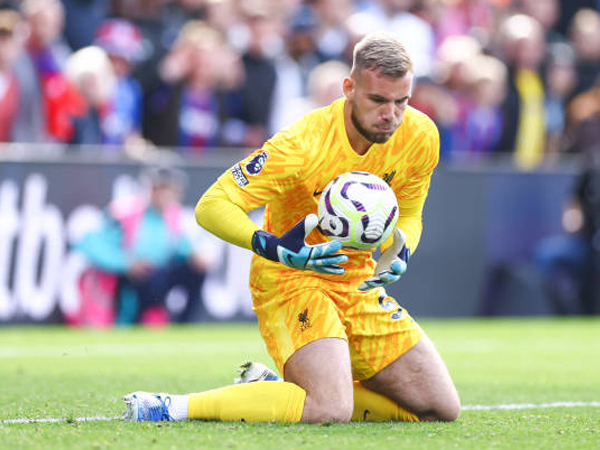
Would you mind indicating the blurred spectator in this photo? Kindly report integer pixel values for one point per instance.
(153, 20)
(140, 253)
(293, 66)
(450, 101)
(547, 14)
(461, 18)
(222, 15)
(483, 128)
(48, 101)
(523, 47)
(362, 22)
(243, 95)
(90, 71)
(560, 79)
(568, 8)
(583, 124)
(122, 117)
(585, 35)
(401, 17)
(570, 262)
(324, 86)
(331, 34)
(259, 72)
(193, 106)
(433, 99)
(588, 196)
(11, 36)
(82, 19)
(172, 17)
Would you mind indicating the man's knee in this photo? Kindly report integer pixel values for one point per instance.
(328, 410)
(447, 411)
(322, 369)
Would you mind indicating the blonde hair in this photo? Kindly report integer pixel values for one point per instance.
(381, 52)
(29, 7)
(199, 32)
(9, 21)
(91, 61)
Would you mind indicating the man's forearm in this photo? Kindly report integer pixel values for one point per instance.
(217, 214)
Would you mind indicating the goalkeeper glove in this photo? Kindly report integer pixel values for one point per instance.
(392, 264)
(291, 249)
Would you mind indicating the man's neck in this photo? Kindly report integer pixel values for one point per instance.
(357, 141)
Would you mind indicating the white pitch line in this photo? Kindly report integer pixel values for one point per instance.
(510, 406)
(120, 349)
(61, 420)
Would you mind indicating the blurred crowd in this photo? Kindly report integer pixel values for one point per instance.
(517, 77)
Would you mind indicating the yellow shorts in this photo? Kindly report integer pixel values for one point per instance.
(377, 328)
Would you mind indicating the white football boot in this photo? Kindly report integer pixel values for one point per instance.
(249, 372)
(146, 406)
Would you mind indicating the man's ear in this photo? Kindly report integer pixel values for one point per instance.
(348, 87)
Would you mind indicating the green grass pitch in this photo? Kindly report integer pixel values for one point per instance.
(59, 373)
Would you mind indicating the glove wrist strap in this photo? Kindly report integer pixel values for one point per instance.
(265, 244)
(404, 254)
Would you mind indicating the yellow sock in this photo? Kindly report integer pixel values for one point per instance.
(370, 406)
(262, 401)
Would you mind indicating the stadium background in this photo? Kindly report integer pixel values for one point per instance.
(475, 220)
(484, 218)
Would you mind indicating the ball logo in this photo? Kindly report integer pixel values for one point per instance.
(255, 165)
(359, 209)
(332, 225)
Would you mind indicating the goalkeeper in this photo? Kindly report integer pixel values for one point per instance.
(346, 350)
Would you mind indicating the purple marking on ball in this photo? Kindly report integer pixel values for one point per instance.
(340, 234)
(365, 221)
(390, 217)
(328, 206)
(364, 238)
(358, 205)
(345, 227)
(344, 191)
(375, 186)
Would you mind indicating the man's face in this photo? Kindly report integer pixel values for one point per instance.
(164, 195)
(377, 103)
(9, 50)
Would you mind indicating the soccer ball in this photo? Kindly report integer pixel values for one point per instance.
(359, 209)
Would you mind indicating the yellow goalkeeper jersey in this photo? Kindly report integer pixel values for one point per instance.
(288, 174)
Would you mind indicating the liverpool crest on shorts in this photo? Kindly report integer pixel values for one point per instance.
(304, 320)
